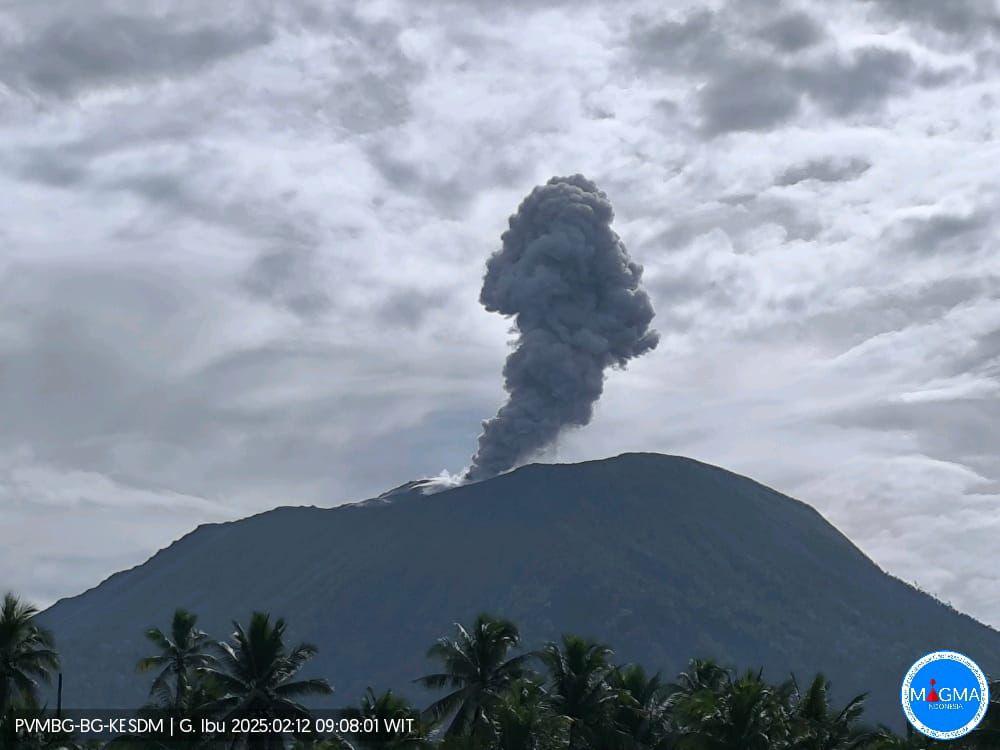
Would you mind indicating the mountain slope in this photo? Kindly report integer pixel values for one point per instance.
(663, 557)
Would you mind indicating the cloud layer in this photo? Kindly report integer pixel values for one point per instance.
(241, 248)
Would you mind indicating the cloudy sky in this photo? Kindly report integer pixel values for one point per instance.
(241, 246)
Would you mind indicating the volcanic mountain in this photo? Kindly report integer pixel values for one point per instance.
(665, 558)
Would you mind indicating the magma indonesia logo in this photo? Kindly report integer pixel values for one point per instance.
(945, 695)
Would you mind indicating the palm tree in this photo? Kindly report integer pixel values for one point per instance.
(987, 735)
(463, 742)
(182, 653)
(477, 667)
(199, 702)
(695, 692)
(578, 672)
(886, 739)
(24, 739)
(255, 674)
(744, 713)
(525, 720)
(641, 714)
(702, 674)
(818, 727)
(27, 654)
(385, 711)
(321, 743)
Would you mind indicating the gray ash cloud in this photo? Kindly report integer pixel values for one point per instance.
(566, 278)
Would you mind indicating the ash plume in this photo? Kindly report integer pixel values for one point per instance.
(578, 308)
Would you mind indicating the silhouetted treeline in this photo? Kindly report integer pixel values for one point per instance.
(491, 695)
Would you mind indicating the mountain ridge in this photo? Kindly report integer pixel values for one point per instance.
(665, 557)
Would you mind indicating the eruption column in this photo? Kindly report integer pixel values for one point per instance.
(578, 308)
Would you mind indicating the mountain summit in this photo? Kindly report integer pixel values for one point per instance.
(665, 558)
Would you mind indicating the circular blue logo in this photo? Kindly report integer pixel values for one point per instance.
(945, 695)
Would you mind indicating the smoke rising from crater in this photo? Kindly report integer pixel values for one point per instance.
(578, 308)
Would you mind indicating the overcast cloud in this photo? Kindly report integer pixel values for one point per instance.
(241, 245)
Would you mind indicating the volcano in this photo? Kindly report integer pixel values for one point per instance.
(662, 557)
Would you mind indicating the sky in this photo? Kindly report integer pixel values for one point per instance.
(242, 243)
